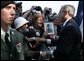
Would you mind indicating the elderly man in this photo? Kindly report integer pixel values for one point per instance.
(68, 44)
(70, 36)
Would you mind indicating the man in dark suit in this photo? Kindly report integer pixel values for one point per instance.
(68, 47)
(68, 44)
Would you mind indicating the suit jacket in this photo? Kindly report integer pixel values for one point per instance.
(15, 38)
(68, 45)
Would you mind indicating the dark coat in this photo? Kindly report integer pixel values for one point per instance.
(68, 45)
(15, 38)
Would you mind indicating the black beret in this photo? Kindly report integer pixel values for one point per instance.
(5, 3)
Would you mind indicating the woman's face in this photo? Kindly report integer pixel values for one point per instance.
(39, 21)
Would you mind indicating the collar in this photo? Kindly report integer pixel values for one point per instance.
(66, 22)
(4, 33)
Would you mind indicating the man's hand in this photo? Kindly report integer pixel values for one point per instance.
(45, 34)
(41, 40)
(31, 39)
(46, 54)
(42, 53)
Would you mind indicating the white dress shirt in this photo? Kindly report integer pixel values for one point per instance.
(66, 21)
(4, 33)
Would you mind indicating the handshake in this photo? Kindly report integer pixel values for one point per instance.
(36, 39)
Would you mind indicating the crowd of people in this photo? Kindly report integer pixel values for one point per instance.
(23, 36)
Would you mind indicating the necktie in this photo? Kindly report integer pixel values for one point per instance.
(7, 41)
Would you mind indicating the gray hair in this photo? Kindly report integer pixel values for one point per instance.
(69, 8)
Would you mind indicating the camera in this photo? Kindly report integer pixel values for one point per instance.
(47, 10)
(36, 9)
